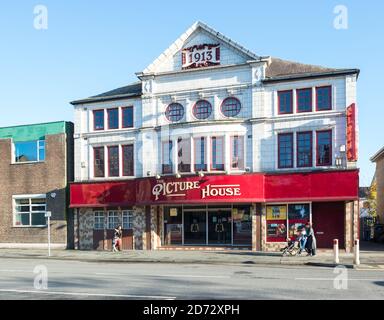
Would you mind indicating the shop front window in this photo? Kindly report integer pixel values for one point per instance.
(242, 225)
(286, 221)
(173, 226)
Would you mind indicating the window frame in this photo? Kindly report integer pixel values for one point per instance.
(29, 197)
(222, 156)
(278, 150)
(173, 104)
(94, 161)
(279, 102)
(330, 148)
(197, 105)
(242, 138)
(109, 161)
(223, 104)
(113, 214)
(98, 214)
(330, 98)
(94, 120)
(189, 149)
(205, 154)
(170, 155)
(297, 100)
(109, 118)
(128, 214)
(124, 161)
(123, 117)
(311, 149)
(38, 148)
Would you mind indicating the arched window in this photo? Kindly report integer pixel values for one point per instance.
(174, 112)
(202, 110)
(230, 107)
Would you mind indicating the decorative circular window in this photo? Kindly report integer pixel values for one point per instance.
(202, 110)
(230, 107)
(174, 112)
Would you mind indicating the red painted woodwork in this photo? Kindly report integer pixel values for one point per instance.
(328, 219)
(103, 194)
(351, 133)
(246, 188)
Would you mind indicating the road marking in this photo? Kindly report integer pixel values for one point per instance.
(16, 271)
(332, 279)
(165, 275)
(87, 294)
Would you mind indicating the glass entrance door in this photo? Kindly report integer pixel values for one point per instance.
(195, 227)
(220, 227)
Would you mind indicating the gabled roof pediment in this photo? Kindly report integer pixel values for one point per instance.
(198, 34)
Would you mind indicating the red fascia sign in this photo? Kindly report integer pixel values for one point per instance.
(351, 133)
(246, 188)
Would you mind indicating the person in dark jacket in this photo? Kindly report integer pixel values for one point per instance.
(311, 240)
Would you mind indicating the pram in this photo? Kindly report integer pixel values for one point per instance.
(292, 248)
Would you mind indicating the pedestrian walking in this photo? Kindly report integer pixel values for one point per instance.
(117, 239)
(311, 240)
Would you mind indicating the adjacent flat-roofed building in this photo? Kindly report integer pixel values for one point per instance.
(35, 170)
(217, 146)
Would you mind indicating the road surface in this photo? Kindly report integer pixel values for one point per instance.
(149, 281)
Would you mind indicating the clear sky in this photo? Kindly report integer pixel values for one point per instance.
(94, 46)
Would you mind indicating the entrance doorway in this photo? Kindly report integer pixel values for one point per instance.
(219, 227)
(328, 220)
(195, 227)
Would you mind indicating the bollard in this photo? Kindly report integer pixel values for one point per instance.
(336, 251)
(356, 251)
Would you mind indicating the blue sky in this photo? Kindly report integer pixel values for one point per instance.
(94, 46)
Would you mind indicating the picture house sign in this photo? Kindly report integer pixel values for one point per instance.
(180, 189)
(198, 56)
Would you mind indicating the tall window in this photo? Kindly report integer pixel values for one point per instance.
(98, 220)
(324, 98)
(167, 148)
(217, 145)
(113, 118)
(113, 219)
(285, 150)
(184, 155)
(304, 149)
(29, 151)
(202, 110)
(113, 161)
(98, 120)
(324, 148)
(127, 219)
(30, 212)
(200, 154)
(237, 152)
(128, 160)
(304, 100)
(128, 117)
(98, 164)
(285, 101)
(231, 107)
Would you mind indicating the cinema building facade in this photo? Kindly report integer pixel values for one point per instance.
(217, 147)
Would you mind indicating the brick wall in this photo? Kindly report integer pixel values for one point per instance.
(35, 178)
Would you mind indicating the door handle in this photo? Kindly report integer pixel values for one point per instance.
(320, 232)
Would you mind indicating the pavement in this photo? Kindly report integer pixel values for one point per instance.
(371, 256)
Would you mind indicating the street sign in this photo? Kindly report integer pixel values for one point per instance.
(48, 214)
